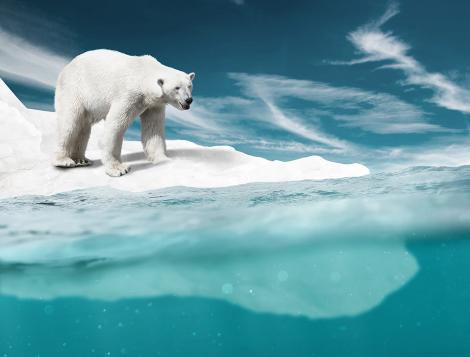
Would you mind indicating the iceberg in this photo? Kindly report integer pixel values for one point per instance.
(28, 138)
(314, 282)
(312, 259)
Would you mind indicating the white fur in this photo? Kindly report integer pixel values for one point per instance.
(110, 85)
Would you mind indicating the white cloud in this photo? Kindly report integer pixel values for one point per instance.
(376, 45)
(198, 117)
(268, 92)
(450, 155)
(24, 62)
(23, 28)
(386, 114)
(213, 119)
(380, 113)
(440, 153)
(296, 126)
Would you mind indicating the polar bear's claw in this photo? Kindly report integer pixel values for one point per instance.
(118, 170)
(67, 162)
(83, 162)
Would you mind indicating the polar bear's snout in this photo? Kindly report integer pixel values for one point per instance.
(187, 103)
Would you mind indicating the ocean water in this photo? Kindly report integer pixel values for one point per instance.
(370, 266)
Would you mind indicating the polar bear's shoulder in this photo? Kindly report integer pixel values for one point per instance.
(112, 54)
(102, 55)
(116, 59)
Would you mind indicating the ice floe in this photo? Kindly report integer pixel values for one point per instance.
(28, 141)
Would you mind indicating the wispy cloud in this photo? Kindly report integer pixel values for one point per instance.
(22, 58)
(27, 63)
(217, 118)
(268, 90)
(380, 113)
(199, 117)
(443, 152)
(295, 125)
(378, 46)
(386, 114)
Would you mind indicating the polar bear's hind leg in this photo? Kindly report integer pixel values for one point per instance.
(73, 135)
(115, 125)
(81, 142)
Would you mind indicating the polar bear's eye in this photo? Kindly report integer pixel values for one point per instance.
(177, 88)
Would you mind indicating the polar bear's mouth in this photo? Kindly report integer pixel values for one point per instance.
(184, 106)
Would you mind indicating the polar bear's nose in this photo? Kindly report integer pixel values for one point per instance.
(189, 100)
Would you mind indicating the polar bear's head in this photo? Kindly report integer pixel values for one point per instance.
(177, 89)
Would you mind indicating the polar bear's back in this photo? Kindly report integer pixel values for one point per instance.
(97, 77)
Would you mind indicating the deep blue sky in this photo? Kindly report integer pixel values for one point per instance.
(277, 79)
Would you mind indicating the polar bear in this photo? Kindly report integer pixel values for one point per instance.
(110, 85)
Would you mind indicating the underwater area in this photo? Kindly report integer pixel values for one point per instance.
(369, 266)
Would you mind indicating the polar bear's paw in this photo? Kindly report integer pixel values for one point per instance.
(158, 159)
(156, 156)
(64, 162)
(83, 162)
(117, 169)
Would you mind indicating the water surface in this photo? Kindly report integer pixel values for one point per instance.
(368, 266)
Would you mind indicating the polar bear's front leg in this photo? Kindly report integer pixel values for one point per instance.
(153, 134)
(115, 126)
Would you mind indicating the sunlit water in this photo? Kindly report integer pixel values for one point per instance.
(372, 266)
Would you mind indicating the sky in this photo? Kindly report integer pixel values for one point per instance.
(383, 83)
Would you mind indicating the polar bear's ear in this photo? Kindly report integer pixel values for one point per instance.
(160, 82)
(192, 75)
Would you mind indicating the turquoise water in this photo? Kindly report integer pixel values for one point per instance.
(372, 266)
